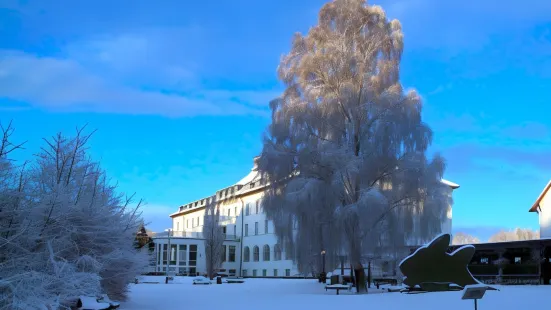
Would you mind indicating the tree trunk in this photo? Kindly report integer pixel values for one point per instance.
(360, 279)
(352, 277)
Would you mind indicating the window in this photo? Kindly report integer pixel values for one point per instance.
(165, 253)
(187, 223)
(231, 257)
(244, 272)
(288, 255)
(256, 228)
(484, 260)
(254, 273)
(264, 272)
(256, 254)
(257, 209)
(266, 226)
(193, 256)
(229, 212)
(247, 209)
(266, 253)
(224, 230)
(287, 272)
(246, 254)
(251, 185)
(173, 251)
(177, 226)
(277, 252)
(246, 229)
(235, 211)
(275, 272)
(232, 272)
(223, 253)
(182, 255)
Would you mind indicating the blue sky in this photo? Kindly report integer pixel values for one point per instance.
(178, 91)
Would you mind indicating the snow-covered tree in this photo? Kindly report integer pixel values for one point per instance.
(214, 237)
(71, 233)
(463, 238)
(345, 152)
(518, 234)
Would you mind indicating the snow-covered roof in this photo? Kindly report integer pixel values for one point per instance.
(252, 176)
(536, 204)
(450, 184)
(248, 178)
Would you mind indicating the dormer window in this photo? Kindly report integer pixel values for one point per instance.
(252, 185)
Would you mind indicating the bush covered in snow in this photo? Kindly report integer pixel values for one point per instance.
(65, 231)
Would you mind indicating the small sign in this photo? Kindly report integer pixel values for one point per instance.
(474, 292)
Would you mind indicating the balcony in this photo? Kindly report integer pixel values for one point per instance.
(190, 235)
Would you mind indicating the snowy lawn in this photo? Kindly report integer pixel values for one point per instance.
(288, 294)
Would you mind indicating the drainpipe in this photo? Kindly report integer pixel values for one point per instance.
(241, 239)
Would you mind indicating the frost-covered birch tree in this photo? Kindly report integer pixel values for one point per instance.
(463, 238)
(214, 238)
(345, 151)
(71, 234)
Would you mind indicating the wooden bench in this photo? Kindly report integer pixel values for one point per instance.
(231, 281)
(380, 281)
(91, 303)
(338, 287)
(435, 286)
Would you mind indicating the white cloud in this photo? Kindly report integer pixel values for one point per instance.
(65, 85)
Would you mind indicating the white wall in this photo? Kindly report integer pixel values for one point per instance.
(545, 216)
(261, 239)
(190, 222)
(201, 265)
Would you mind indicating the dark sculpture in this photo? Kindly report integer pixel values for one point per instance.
(431, 264)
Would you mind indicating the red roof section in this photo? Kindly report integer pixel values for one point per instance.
(534, 207)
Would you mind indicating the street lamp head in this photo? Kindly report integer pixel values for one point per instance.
(323, 252)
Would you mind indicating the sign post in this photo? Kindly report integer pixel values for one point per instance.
(474, 292)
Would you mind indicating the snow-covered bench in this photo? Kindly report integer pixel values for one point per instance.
(339, 287)
(234, 280)
(91, 303)
(113, 304)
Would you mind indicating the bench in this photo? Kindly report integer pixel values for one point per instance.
(338, 287)
(380, 281)
(230, 281)
(435, 286)
(91, 303)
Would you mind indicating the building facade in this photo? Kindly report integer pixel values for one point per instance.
(251, 248)
(543, 207)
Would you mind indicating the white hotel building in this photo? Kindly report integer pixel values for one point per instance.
(251, 246)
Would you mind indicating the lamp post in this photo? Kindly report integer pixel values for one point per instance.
(169, 256)
(323, 274)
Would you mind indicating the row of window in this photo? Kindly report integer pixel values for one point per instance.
(266, 228)
(195, 222)
(231, 253)
(178, 254)
(265, 253)
(275, 273)
(249, 209)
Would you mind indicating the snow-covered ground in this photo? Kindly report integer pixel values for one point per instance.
(288, 294)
